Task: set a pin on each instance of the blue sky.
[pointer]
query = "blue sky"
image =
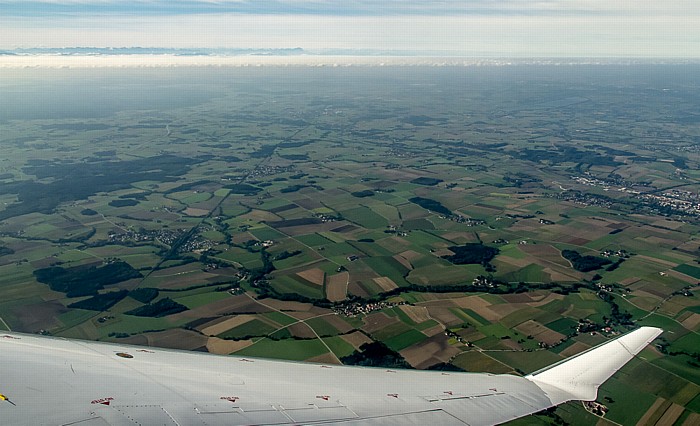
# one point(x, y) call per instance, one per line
point(312, 7)
point(480, 28)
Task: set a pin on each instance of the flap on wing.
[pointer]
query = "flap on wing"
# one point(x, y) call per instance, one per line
point(578, 378)
point(315, 414)
point(422, 418)
point(146, 414)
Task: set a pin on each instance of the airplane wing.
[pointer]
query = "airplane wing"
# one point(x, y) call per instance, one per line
point(55, 381)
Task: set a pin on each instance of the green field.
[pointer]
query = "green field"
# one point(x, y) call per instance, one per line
point(295, 285)
point(405, 339)
point(388, 267)
point(364, 216)
point(250, 328)
point(197, 300)
point(296, 350)
point(692, 271)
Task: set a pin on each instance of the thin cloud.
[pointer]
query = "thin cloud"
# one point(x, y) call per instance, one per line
point(355, 7)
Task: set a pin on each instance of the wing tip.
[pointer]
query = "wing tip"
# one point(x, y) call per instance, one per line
point(578, 377)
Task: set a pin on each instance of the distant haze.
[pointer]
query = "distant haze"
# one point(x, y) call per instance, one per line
point(480, 28)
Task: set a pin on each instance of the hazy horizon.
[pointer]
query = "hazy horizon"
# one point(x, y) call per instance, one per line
point(475, 29)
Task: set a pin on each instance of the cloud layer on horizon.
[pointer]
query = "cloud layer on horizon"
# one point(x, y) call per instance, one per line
point(486, 28)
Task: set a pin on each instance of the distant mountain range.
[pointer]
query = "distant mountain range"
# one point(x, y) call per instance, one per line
point(98, 51)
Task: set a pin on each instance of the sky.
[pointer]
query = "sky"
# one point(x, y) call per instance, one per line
point(470, 28)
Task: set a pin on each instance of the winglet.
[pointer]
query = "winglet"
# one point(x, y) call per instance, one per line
point(578, 378)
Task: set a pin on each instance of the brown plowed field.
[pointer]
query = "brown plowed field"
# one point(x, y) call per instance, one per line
point(376, 321)
point(336, 286)
point(482, 307)
point(230, 305)
point(40, 316)
point(418, 314)
point(225, 347)
point(385, 283)
point(356, 339)
point(227, 324)
point(176, 338)
point(444, 316)
point(301, 330)
point(405, 262)
point(314, 276)
point(326, 358)
point(339, 323)
point(431, 351)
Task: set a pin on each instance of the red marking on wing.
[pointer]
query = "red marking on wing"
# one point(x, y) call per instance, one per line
point(230, 398)
point(103, 401)
point(323, 397)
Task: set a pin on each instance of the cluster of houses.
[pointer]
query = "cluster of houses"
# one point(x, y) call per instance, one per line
point(363, 308)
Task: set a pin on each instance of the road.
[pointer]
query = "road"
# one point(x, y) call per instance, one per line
point(300, 321)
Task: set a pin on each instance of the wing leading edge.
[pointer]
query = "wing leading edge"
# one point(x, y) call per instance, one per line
point(59, 381)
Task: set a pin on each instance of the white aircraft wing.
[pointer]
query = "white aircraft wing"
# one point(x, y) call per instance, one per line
point(55, 381)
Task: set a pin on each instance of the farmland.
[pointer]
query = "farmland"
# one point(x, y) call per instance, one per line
point(310, 215)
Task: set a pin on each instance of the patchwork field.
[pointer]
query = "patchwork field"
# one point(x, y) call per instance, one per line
point(418, 217)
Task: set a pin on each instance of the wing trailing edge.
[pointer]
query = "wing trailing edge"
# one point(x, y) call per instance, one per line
point(578, 378)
